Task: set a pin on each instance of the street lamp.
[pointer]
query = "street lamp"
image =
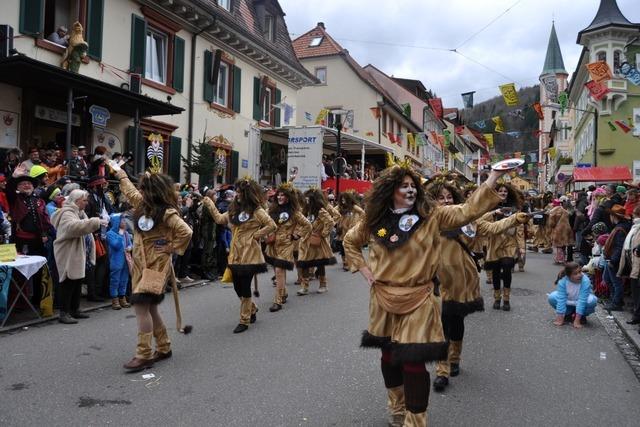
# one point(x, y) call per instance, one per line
point(339, 159)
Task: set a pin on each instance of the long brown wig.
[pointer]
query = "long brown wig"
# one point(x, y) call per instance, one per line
point(515, 198)
point(293, 203)
point(379, 199)
point(346, 202)
point(435, 185)
point(315, 202)
point(248, 199)
point(158, 195)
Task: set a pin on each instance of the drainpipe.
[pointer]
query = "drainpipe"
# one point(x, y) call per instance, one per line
point(595, 137)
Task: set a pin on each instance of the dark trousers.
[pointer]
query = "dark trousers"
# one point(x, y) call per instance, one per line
point(453, 327)
point(502, 272)
point(70, 295)
point(635, 292)
point(182, 264)
point(33, 247)
point(413, 376)
point(222, 257)
point(98, 279)
point(242, 284)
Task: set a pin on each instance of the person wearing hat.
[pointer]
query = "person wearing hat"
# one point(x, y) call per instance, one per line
point(53, 198)
point(11, 160)
point(99, 206)
point(613, 249)
point(41, 179)
point(98, 165)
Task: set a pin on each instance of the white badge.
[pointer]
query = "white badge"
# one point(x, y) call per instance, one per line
point(243, 217)
point(469, 230)
point(311, 218)
point(284, 217)
point(145, 223)
point(407, 222)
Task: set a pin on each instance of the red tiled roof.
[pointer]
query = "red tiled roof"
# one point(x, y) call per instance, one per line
point(328, 46)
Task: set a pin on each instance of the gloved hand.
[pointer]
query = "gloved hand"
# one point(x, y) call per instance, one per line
point(522, 217)
point(114, 165)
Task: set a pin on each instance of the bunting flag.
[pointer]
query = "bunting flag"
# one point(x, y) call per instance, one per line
point(534, 157)
point(308, 116)
point(441, 140)
point(552, 152)
point(623, 125)
point(550, 86)
point(630, 73)
point(406, 110)
point(636, 121)
point(322, 117)
point(459, 130)
point(348, 120)
point(499, 125)
point(467, 99)
point(411, 140)
point(481, 124)
point(538, 109)
point(563, 99)
point(420, 142)
point(436, 106)
point(376, 112)
point(597, 90)
point(600, 71)
point(514, 134)
point(489, 138)
point(612, 126)
point(447, 137)
point(509, 94)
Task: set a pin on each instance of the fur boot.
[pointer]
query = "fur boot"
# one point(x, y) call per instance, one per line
point(143, 358)
point(323, 284)
point(163, 344)
point(395, 406)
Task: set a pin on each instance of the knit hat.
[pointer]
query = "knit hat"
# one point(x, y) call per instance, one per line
point(621, 189)
point(599, 228)
point(51, 193)
point(601, 240)
point(37, 171)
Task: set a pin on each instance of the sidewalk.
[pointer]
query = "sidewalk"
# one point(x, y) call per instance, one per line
point(631, 331)
point(85, 307)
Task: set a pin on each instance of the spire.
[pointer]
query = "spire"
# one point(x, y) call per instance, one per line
point(553, 63)
point(608, 15)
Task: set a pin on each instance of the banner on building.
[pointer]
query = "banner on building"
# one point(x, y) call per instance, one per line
point(597, 90)
point(509, 94)
point(499, 125)
point(630, 72)
point(304, 157)
point(550, 86)
point(322, 117)
point(599, 71)
point(489, 138)
point(436, 106)
point(467, 99)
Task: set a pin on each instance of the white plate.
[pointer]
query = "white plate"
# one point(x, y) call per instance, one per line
point(507, 164)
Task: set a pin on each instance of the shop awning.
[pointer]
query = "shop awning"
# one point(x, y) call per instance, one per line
point(26, 72)
point(602, 174)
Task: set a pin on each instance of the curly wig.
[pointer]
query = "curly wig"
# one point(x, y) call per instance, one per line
point(346, 201)
point(515, 198)
point(293, 199)
point(434, 187)
point(315, 202)
point(158, 195)
point(249, 197)
point(379, 199)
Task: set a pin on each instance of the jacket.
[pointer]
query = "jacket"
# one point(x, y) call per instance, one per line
point(635, 260)
point(69, 248)
point(118, 243)
point(583, 295)
point(615, 242)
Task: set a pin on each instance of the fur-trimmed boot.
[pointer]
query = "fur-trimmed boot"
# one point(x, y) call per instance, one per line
point(143, 358)
point(506, 306)
point(323, 284)
point(395, 406)
point(455, 349)
point(497, 297)
point(277, 301)
point(304, 286)
point(415, 420)
point(163, 344)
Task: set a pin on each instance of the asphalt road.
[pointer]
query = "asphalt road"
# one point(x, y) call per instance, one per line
point(302, 366)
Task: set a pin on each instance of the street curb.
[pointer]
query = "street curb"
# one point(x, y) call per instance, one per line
point(633, 338)
point(56, 315)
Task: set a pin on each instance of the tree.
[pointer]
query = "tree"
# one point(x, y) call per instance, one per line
point(202, 162)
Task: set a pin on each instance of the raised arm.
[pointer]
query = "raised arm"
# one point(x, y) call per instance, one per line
point(268, 225)
point(481, 201)
point(128, 189)
point(72, 227)
point(221, 219)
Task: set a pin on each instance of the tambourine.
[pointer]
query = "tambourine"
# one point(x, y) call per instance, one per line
point(507, 165)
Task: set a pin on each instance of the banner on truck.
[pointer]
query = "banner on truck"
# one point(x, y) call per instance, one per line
point(304, 157)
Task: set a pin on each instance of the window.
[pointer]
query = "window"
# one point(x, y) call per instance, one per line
point(221, 92)
point(321, 74)
point(618, 59)
point(266, 105)
point(601, 56)
point(59, 13)
point(225, 4)
point(384, 122)
point(316, 41)
point(156, 54)
point(269, 27)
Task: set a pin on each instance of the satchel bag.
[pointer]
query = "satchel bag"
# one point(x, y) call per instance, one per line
point(152, 281)
point(315, 239)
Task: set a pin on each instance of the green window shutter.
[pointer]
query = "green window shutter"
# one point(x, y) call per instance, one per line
point(138, 44)
point(277, 110)
point(178, 64)
point(32, 17)
point(237, 77)
point(95, 15)
point(208, 69)
point(257, 108)
point(234, 165)
point(175, 150)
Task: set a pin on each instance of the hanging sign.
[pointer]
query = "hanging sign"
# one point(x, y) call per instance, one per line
point(630, 72)
point(467, 99)
point(99, 116)
point(597, 90)
point(436, 106)
point(509, 94)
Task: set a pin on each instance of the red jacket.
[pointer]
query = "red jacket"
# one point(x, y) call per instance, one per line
point(629, 207)
point(4, 203)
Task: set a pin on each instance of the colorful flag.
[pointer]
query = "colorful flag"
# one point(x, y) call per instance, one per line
point(322, 117)
point(480, 124)
point(406, 110)
point(596, 90)
point(514, 134)
point(600, 71)
point(612, 126)
point(538, 109)
point(499, 125)
point(636, 122)
point(563, 99)
point(467, 99)
point(534, 157)
point(489, 138)
point(376, 112)
point(436, 106)
point(518, 113)
point(348, 120)
point(509, 94)
point(552, 152)
point(441, 140)
point(630, 72)
point(459, 130)
point(623, 125)
point(447, 137)
point(420, 139)
point(308, 116)
point(411, 140)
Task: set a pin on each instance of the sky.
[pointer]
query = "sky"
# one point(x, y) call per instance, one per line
point(513, 47)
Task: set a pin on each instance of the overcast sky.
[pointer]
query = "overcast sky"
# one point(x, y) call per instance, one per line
point(514, 45)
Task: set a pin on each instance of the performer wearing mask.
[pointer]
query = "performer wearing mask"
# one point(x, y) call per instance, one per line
point(249, 224)
point(502, 249)
point(459, 274)
point(402, 228)
point(292, 225)
point(315, 250)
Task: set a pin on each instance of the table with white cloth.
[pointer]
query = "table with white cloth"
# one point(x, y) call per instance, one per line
point(27, 266)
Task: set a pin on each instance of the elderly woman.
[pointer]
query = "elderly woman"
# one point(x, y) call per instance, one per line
point(73, 231)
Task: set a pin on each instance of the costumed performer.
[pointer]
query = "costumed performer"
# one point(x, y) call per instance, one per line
point(350, 213)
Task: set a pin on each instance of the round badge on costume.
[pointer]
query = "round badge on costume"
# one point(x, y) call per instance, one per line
point(469, 230)
point(284, 217)
point(145, 223)
point(407, 222)
point(312, 218)
point(243, 216)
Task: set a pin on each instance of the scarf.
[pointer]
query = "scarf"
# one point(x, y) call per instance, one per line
point(634, 229)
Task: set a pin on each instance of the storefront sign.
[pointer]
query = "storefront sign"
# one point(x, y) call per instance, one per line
point(304, 157)
point(99, 116)
point(9, 124)
point(57, 116)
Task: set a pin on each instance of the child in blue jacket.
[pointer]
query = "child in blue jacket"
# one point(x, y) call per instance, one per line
point(573, 296)
point(119, 241)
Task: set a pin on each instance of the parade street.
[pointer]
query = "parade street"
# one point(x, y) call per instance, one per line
point(302, 366)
